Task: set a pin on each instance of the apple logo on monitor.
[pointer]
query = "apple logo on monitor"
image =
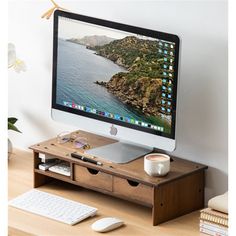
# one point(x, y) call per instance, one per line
point(113, 130)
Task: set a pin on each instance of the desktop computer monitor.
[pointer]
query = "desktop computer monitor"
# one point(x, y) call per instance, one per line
point(115, 79)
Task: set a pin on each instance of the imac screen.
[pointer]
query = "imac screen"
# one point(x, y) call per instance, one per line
point(116, 76)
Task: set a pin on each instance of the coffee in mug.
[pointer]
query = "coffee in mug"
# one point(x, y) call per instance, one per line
point(157, 164)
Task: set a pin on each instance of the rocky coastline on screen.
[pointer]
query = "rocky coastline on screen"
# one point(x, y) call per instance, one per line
point(143, 94)
point(140, 86)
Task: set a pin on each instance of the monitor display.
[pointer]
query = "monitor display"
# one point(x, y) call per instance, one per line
point(116, 73)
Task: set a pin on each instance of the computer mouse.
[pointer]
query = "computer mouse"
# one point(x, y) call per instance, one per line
point(106, 224)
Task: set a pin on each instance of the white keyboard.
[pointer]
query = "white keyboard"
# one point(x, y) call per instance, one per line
point(53, 207)
point(62, 168)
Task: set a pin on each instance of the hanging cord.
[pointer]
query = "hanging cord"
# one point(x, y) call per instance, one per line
point(48, 13)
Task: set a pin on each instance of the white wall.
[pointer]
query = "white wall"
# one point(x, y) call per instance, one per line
point(202, 25)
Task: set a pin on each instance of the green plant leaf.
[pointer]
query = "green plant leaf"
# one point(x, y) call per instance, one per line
point(13, 127)
point(12, 120)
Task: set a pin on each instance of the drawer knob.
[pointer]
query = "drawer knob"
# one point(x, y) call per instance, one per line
point(132, 183)
point(92, 171)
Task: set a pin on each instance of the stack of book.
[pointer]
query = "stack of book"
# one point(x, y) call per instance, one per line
point(213, 222)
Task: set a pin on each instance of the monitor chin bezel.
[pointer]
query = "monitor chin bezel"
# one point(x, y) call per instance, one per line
point(123, 134)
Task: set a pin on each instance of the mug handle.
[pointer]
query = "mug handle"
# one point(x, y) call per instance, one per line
point(160, 168)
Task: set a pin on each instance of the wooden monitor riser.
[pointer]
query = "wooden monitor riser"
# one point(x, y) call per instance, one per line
point(176, 194)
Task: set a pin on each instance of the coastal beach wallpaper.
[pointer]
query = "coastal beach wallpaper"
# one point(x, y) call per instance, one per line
point(115, 72)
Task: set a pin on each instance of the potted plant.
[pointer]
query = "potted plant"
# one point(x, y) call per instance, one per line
point(11, 126)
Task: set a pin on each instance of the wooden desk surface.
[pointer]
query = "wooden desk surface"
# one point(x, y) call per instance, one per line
point(137, 218)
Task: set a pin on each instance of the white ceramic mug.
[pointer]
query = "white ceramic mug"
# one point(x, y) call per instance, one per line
point(157, 164)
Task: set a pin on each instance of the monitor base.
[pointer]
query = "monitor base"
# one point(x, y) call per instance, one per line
point(119, 152)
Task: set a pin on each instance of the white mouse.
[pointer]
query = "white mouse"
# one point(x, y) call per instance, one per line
point(106, 224)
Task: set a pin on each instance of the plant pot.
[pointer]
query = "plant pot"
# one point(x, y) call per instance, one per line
point(10, 147)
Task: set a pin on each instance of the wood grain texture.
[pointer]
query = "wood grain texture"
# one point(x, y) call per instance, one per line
point(178, 198)
point(16, 232)
point(136, 217)
point(141, 192)
point(92, 178)
point(167, 195)
point(133, 170)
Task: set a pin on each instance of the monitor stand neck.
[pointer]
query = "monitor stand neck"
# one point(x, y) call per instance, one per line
point(120, 152)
